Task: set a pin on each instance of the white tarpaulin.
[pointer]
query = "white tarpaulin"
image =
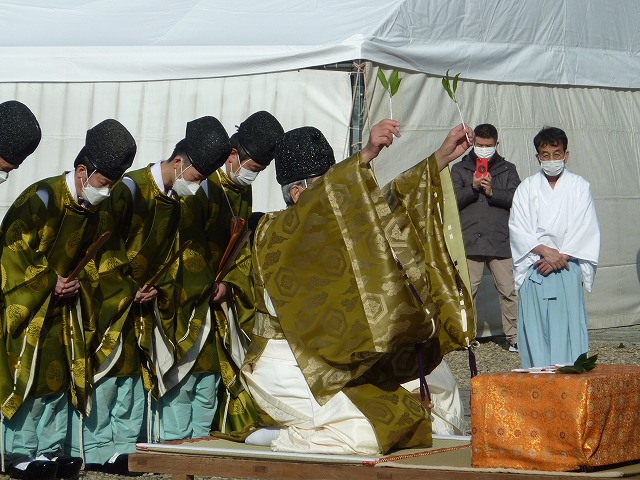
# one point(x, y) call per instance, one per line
point(156, 114)
point(602, 125)
point(558, 42)
point(154, 65)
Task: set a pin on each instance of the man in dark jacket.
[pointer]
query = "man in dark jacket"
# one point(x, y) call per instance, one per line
point(484, 200)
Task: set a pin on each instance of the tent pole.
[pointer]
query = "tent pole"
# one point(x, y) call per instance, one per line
point(358, 112)
point(359, 107)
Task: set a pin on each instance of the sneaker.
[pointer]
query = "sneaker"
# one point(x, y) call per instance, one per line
point(513, 347)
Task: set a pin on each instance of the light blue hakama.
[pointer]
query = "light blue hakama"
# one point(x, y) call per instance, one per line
point(38, 427)
point(552, 318)
point(114, 423)
point(187, 410)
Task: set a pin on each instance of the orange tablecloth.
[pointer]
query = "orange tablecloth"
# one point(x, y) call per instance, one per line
point(555, 421)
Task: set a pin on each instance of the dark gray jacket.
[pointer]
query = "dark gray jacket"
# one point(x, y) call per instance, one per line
point(485, 221)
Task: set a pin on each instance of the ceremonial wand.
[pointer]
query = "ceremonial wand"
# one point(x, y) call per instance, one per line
point(167, 265)
point(93, 249)
point(236, 242)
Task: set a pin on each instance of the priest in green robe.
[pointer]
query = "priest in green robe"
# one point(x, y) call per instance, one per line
point(19, 135)
point(358, 291)
point(147, 209)
point(46, 234)
point(232, 301)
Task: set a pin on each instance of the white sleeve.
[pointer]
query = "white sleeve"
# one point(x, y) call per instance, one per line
point(131, 185)
point(44, 196)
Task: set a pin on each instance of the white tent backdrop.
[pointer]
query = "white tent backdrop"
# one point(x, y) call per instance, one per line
point(156, 114)
point(155, 64)
point(554, 42)
point(602, 125)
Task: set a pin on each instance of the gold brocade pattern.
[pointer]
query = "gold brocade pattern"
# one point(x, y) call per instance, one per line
point(556, 422)
point(352, 317)
point(42, 242)
point(108, 298)
point(149, 225)
point(206, 220)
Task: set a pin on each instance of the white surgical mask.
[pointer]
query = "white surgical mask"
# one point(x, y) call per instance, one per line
point(552, 168)
point(3, 176)
point(484, 152)
point(243, 176)
point(92, 194)
point(182, 187)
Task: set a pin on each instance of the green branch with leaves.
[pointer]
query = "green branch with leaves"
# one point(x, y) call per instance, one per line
point(391, 85)
point(582, 364)
point(451, 91)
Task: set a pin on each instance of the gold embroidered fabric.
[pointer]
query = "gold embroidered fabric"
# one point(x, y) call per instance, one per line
point(555, 421)
point(350, 314)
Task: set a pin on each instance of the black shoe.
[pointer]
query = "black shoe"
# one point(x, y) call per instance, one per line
point(68, 467)
point(120, 466)
point(93, 467)
point(36, 470)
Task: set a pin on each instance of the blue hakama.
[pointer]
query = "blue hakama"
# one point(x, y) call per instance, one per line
point(552, 318)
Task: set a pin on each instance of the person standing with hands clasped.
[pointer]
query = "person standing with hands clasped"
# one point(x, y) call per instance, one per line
point(555, 242)
point(484, 183)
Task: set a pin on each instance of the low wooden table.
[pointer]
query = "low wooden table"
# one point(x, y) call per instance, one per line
point(556, 421)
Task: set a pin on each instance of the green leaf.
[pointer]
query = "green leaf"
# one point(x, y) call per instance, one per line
point(383, 80)
point(580, 359)
point(455, 83)
point(590, 363)
point(571, 369)
point(394, 82)
point(445, 84)
point(582, 364)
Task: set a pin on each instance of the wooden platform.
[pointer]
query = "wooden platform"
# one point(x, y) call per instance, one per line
point(453, 463)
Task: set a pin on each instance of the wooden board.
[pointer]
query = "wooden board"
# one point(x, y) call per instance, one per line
point(185, 467)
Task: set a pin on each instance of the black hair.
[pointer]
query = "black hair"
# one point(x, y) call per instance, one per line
point(550, 136)
point(82, 159)
point(235, 143)
point(180, 149)
point(486, 130)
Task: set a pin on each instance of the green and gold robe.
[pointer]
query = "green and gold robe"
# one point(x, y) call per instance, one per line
point(150, 239)
point(108, 337)
point(38, 244)
point(195, 352)
point(356, 318)
point(228, 200)
point(240, 197)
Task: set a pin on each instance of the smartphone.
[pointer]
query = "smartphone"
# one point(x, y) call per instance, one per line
point(482, 167)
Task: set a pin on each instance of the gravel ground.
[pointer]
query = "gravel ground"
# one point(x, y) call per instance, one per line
point(619, 346)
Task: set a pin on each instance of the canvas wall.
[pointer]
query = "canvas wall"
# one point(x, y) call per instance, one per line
point(156, 114)
point(603, 127)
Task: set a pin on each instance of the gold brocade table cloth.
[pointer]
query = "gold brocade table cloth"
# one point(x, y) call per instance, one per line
point(556, 421)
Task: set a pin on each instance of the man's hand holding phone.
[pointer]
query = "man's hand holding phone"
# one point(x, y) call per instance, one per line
point(482, 167)
point(482, 170)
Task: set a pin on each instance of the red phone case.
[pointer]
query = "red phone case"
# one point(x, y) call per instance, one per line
point(482, 167)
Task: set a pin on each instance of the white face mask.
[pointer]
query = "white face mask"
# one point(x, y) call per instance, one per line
point(244, 177)
point(552, 168)
point(4, 176)
point(92, 194)
point(484, 152)
point(182, 187)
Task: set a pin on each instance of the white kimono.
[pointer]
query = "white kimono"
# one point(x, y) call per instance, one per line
point(278, 387)
point(563, 218)
point(552, 317)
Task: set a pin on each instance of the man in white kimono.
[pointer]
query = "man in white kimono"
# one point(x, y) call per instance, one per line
point(555, 243)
